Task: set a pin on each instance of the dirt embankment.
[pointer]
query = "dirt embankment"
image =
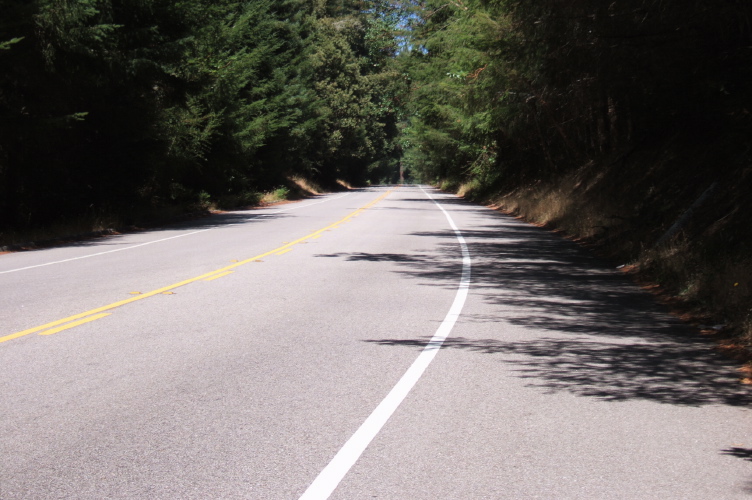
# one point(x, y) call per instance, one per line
point(676, 214)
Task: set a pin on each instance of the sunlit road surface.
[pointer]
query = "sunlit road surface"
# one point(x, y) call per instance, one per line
point(391, 342)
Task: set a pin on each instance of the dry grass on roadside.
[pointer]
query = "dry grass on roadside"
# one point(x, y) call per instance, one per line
point(697, 269)
point(279, 194)
point(345, 184)
point(558, 207)
point(294, 188)
point(306, 185)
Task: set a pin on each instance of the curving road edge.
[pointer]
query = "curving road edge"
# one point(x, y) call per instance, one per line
point(329, 478)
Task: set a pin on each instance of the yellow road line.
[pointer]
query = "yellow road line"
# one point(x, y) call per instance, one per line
point(217, 276)
point(75, 323)
point(284, 251)
point(167, 288)
point(104, 308)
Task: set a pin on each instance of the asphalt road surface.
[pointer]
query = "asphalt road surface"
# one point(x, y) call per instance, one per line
point(391, 343)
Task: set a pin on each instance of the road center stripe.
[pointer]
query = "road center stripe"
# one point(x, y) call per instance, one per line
point(74, 324)
point(329, 478)
point(223, 272)
point(217, 276)
point(253, 216)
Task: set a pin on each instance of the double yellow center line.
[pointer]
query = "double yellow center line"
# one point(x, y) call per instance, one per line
point(100, 312)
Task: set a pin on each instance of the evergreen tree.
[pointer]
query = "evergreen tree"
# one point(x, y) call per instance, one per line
point(127, 105)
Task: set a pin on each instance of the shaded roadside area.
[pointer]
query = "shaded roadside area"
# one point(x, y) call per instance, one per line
point(567, 321)
point(111, 236)
point(680, 373)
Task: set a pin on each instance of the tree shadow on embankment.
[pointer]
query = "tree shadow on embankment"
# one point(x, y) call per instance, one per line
point(579, 325)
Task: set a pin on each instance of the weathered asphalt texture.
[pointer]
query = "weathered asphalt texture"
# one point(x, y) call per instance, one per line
point(560, 379)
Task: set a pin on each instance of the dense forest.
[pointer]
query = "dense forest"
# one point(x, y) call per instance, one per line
point(511, 90)
point(606, 119)
point(108, 104)
point(126, 105)
point(626, 124)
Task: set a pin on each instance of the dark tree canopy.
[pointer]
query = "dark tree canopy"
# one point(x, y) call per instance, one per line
point(508, 91)
point(111, 105)
point(119, 105)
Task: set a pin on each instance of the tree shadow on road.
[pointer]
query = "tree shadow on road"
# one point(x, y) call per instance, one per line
point(539, 280)
point(743, 453)
point(674, 373)
point(585, 327)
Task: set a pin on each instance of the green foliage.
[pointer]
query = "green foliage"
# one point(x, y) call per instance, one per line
point(520, 90)
point(7, 44)
point(281, 193)
point(111, 104)
point(452, 131)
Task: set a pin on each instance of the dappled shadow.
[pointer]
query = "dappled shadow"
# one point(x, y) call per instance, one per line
point(450, 200)
point(399, 208)
point(538, 280)
point(585, 328)
point(548, 283)
point(381, 257)
point(669, 372)
point(743, 453)
point(441, 268)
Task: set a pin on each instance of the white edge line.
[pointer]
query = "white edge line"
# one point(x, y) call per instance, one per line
point(164, 239)
point(329, 478)
point(102, 253)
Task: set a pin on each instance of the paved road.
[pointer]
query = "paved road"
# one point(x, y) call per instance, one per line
point(237, 356)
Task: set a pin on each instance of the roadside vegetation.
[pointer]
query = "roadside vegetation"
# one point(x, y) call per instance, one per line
point(126, 111)
point(610, 121)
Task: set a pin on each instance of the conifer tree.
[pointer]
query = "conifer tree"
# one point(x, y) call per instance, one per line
point(128, 105)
